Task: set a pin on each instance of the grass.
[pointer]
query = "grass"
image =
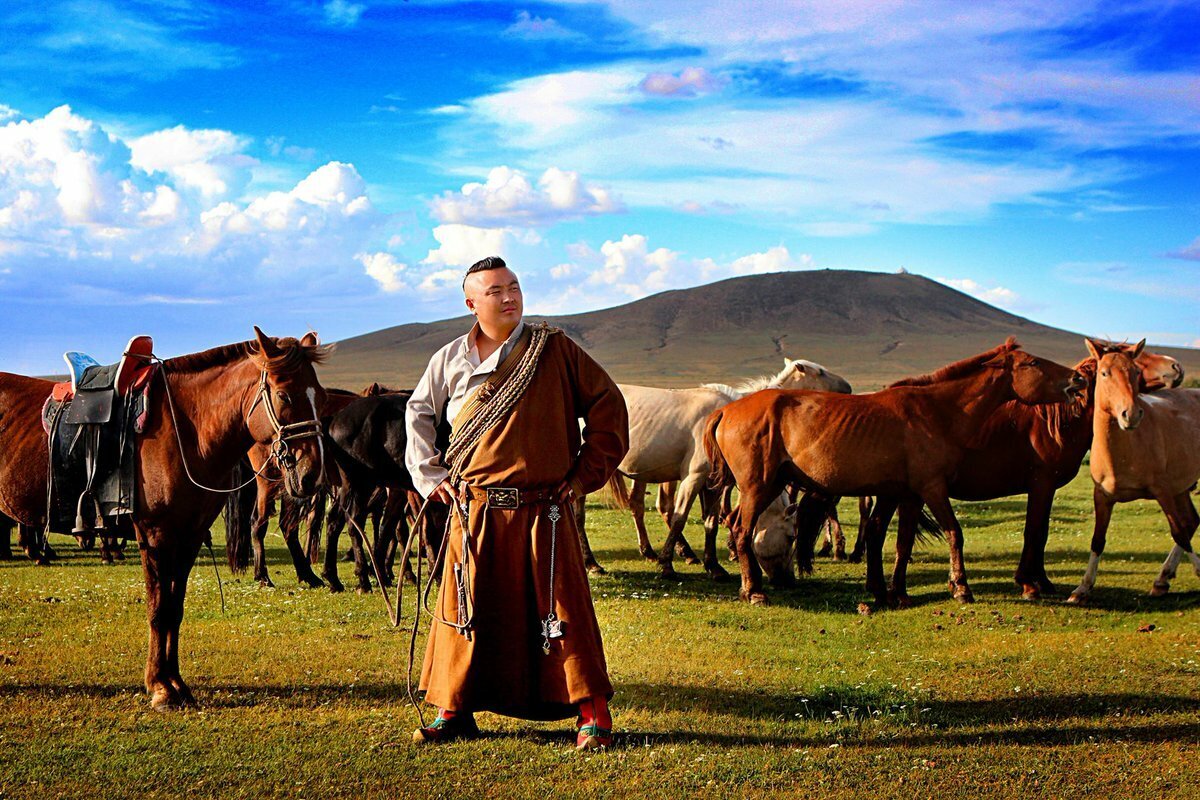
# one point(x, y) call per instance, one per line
point(302, 692)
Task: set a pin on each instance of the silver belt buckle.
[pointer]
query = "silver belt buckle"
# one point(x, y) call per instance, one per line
point(503, 498)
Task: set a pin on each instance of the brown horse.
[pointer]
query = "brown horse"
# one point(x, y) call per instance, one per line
point(1143, 447)
point(206, 410)
point(899, 443)
point(1031, 450)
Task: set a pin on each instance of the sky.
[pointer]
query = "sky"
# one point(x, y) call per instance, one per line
point(188, 169)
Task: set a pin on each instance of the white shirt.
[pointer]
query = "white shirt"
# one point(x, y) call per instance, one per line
point(453, 373)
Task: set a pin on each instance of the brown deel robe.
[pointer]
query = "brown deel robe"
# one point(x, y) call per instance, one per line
point(502, 668)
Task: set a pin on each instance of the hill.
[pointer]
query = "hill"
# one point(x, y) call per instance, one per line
point(868, 327)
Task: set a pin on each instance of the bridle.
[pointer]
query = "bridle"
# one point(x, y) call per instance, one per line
point(281, 444)
point(281, 449)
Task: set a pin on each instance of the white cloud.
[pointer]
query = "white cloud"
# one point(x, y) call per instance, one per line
point(533, 27)
point(212, 162)
point(508, 198)
point(777, 259)
point(343, 14)
point(1190, 252)
point(385, 270)
point(8, 112)
point(688, 82)
point(993, 295)
point(462, 245)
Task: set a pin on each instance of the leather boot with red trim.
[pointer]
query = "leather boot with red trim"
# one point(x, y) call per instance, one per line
point(448, 727)
point(594, 726)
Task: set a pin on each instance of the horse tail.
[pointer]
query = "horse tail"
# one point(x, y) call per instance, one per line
point(718, 475)
point(619, 491)
point(928, 528)
point(237, 523)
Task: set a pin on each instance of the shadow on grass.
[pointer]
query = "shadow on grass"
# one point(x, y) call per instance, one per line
point(1044, 719)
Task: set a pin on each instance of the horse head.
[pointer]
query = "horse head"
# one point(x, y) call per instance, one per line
point(801, 374)
point(286, 410)
point(1035, 380)
point(1118, 383)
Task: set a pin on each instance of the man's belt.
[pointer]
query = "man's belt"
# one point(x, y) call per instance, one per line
point(508, 498)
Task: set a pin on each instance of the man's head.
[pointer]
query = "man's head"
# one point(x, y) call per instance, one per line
point(493, 294)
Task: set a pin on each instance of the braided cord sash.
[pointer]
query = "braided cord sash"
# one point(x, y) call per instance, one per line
point(492, 401)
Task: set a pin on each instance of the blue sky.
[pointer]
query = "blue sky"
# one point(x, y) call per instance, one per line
point(188, 169)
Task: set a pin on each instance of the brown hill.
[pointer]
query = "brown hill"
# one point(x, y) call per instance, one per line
point(869, 327)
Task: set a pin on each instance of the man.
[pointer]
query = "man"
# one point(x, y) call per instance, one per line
point(514, 629)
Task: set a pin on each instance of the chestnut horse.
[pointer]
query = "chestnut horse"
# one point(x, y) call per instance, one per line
point(898, 443)
point(1032, 450)
point(1143, 447)
point(205, 411)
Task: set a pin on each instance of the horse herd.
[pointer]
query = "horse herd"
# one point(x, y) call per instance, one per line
point(792, 444)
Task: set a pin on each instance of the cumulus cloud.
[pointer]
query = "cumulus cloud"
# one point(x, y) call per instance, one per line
point(993, 295)
point(689, 82)
point(776, 259)
point(509, 198)
point(385, 270)
point(212, 162)
point(462, 245)
point(74, 196)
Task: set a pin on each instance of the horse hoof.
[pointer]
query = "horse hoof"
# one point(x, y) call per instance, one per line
point(965, 597)
point(854, 558)
point(759, 599)
point(717, 573)
point(824, 551)
point(839, 556)
point(363, 590)
point(165, 699)
point(649, 555)
point(899, 600)
point(596, 569)
point(313, 582)
point(691, 560)
point(1031, 592)
point(1078, 598)
point(668, 574)
point(336, 587)
point(1159, 590)
point(265, 583)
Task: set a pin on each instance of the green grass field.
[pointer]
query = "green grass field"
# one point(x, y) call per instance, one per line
point(302, 692)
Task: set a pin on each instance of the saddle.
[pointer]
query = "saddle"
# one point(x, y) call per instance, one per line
point(91, 421)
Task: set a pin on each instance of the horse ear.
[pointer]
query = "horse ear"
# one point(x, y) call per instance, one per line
point(1093, 348)
point(266, 345)
point(310, 339)
point(1137, 351)
point(796, 365)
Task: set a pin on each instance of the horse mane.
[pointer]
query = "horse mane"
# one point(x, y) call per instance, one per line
point(292, 355)
point(959, 368)
point(749, 386)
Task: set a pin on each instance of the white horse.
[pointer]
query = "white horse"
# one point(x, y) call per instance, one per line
point(665, 446)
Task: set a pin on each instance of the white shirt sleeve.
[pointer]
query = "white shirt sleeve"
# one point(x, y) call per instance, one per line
point(425, 407)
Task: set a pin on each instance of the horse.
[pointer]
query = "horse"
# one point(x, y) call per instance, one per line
point(1031, 450)
point(268, 490)
point(205, 411)
point(665, 430)
point(898, 443)
point(1144, 446)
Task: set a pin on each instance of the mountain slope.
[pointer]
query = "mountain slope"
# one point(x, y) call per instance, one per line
point(869, 327)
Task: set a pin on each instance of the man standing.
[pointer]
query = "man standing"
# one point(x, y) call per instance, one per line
point(514, 629)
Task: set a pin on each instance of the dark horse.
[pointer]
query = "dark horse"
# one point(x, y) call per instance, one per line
point(899, 444)
point(206, 410)
point(1032, 450)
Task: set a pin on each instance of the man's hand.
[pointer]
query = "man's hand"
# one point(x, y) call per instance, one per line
point(445, 494)
point(565, 494)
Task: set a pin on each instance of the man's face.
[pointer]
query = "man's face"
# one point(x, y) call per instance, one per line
point(495, 297)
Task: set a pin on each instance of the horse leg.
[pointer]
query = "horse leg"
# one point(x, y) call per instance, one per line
point(939, 505)
point(664, 501)
point(753, 503)
point(1181, 515)
point(637, 507)
point(335, 520)
point(1102, 505)
point(710, 511)
point(6, 529)
point(185, 558)
point(259, 523)
point(835, 529)
point(1189, 511)
point(589, 558)
point(865, 506)
point(877, 525)
point(289, 526)
point(156, 568)
point(906, 535)
point(357, 514)
point(689, 487)
point(1031, 570)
